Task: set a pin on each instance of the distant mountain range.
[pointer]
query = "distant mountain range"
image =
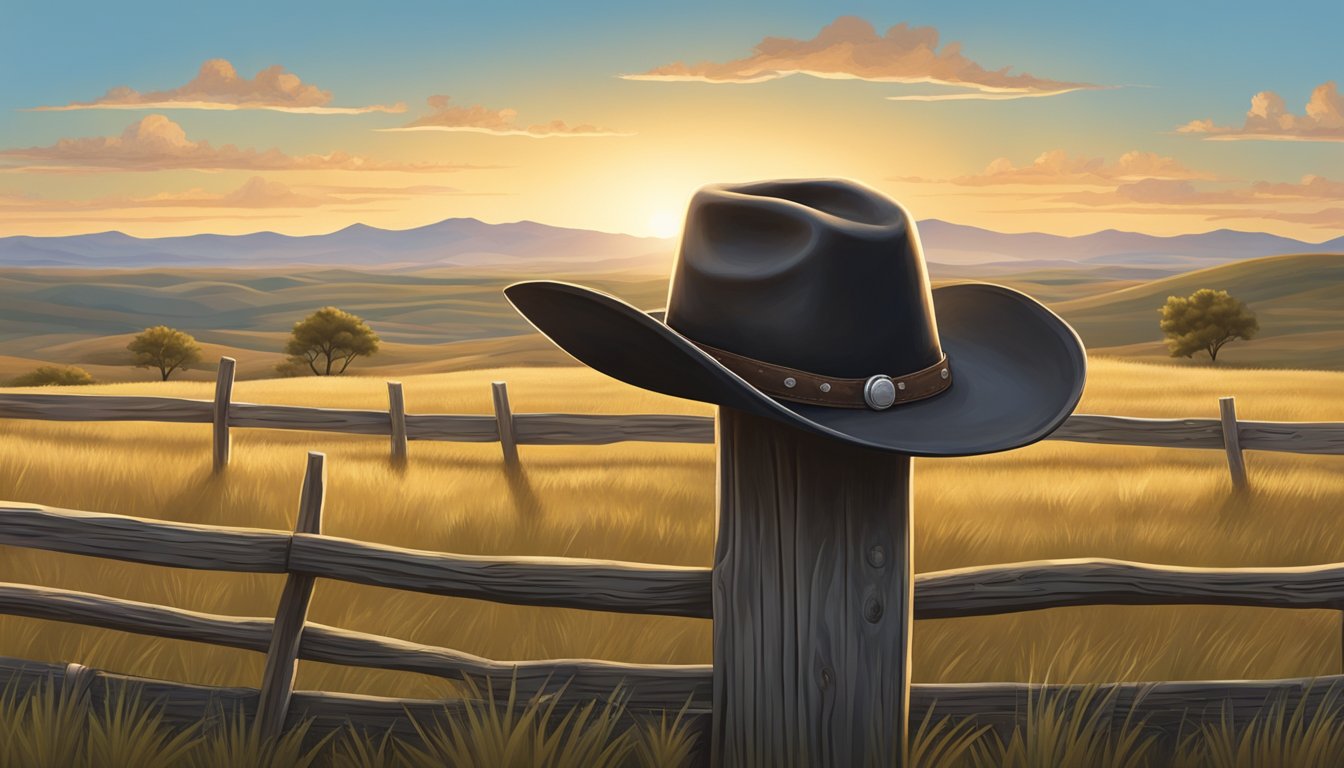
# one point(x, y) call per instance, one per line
point(450, 243)
point(527, 246)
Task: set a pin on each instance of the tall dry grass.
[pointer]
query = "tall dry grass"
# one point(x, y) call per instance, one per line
point(655, 503)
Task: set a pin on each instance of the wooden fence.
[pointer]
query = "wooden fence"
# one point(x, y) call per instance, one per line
point(1225, 433)
point(306, 554)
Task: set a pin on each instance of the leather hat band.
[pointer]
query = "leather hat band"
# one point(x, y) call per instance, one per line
point(878, 392)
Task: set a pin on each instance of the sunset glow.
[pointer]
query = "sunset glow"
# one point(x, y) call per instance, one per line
point(537, 117)
point(664, 224)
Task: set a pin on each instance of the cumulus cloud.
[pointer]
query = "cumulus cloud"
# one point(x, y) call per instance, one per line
point(849, 48)
point(157, 143)
point(1270, 119)
point(218, 86)
point(1058, 167)
point(446, 116)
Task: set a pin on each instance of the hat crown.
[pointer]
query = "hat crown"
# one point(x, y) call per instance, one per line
point(826, 276)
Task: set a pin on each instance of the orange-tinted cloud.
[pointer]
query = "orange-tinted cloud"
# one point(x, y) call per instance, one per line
point(1178, 192)
point(1311, 186)
point(255, 193)
point(218, 86)
point(1269, 119)
point(1325, 218)
point(1058, 167)
point(849, 48)
point(1166, 192)
point(446, 116)
point(157, 143)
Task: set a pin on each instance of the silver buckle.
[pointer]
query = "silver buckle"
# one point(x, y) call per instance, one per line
point(879, 392)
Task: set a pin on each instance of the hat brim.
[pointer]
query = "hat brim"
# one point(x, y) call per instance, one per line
point(1018, 369)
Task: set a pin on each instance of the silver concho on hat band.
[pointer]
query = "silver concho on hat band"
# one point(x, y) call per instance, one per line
point(879, 392)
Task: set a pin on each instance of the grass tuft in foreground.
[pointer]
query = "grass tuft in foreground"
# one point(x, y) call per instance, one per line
point(46, 728)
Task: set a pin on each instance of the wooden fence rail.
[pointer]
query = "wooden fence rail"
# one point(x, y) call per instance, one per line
point(511, 429)
point(306, 554)
point(639, 588)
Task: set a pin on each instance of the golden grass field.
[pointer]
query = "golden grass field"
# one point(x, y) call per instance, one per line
point(655, 503)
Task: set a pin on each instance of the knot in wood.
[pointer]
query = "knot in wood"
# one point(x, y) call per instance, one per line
point(872, 610)
point(826, 676)
point(877, 556)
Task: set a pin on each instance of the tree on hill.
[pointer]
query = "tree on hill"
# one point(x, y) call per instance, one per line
point(53, 376)
point(164, 348)
point(329, 339)
point(1204, 322)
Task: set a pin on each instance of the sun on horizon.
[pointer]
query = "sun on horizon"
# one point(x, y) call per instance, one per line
point(664, 224)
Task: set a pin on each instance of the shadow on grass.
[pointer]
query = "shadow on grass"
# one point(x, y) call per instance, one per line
point(521, 493)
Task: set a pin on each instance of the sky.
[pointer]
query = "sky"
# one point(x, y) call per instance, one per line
point(1063, 117)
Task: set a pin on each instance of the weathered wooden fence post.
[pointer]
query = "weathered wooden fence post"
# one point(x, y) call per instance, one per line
point(396, 411)
point(277, 681)
point(813, 596)
point(504, 419)
point(1236, 463)
point(223, 394)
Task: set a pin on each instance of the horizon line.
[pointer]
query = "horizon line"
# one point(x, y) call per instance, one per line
point(645, 237)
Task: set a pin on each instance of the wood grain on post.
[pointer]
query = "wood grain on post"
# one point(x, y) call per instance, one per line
point(1236, 463)
point(508, 441)
point(220, 414)
point(396, 411)
point(277, 681)
point(812, 599)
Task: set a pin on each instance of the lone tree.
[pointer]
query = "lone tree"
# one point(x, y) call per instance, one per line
point(166, 349)
point(1204, 322)
point(330, 338)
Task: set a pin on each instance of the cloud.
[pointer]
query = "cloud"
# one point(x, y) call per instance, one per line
point(156, 143)
point(256, 192)
point(500, 122)
point(1178, 192)
point(1156, 192)
point(849, 48)
point(1287, 202)
point(1311, 186)
point(1325, 218)
point(218, 86)
point(411, 191)
point(1058, 167)
point(1269, 119)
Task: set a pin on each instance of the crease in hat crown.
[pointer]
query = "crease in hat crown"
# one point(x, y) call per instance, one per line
point(825, 276)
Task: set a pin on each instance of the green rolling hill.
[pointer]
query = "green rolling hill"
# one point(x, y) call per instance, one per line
point(1299, 300)
point(450, 321)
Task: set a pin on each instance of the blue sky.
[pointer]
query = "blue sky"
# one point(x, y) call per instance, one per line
point(1159, 66)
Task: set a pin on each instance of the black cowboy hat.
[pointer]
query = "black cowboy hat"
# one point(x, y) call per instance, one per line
point(808, 302)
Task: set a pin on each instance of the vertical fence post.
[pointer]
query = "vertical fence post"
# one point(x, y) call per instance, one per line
point(813, 600)
point(277, 681)
point(504, 420)
point(76, 685)
point(1236, 463)
point(396, 411)
point(223, 394)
